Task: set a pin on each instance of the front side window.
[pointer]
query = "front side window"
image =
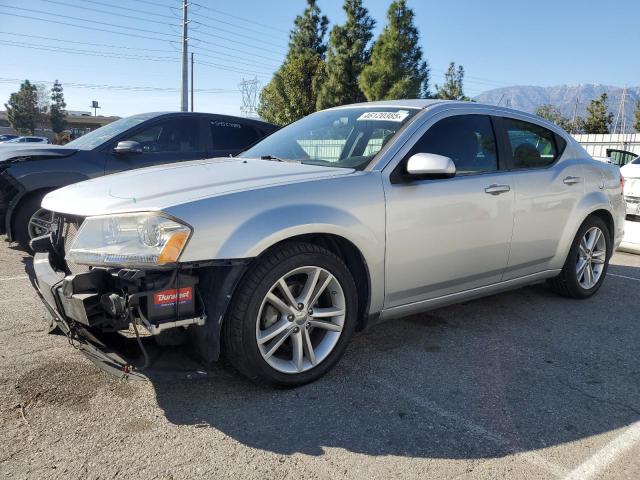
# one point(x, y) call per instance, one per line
point(468, 140)
point(532, 146)
point(179, 135)
point(104, 134)
point(345, 137)
point(229, 135)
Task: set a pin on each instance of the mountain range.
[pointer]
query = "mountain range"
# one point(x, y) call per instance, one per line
point(528, 98)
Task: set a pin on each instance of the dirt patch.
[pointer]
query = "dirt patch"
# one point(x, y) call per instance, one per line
point(137, 425)
point(63, 383)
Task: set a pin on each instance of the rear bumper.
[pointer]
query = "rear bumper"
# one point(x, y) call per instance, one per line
point(631, 241)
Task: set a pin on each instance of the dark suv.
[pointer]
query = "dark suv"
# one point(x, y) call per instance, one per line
point(28, 173)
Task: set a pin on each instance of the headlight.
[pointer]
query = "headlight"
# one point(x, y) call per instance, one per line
point(129, 240)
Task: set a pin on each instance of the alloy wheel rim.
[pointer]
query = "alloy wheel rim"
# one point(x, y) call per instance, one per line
point(592, 255)
point(300, 320)
point(40, 223)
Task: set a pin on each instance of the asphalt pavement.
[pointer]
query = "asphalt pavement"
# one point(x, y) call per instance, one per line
point(523, 384)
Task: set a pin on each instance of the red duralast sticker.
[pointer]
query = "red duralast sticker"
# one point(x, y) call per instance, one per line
point(166, 297)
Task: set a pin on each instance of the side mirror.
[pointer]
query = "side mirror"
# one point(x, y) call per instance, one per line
point(128, 146)
point(430, 165)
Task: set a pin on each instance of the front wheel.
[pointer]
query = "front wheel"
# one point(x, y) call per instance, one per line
point(587, 262)
point(292, 316)
point(31, 221)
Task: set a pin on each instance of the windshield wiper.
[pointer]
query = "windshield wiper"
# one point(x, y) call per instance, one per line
point(277, 159)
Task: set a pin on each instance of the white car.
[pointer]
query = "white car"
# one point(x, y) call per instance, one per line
point(631, 174)
point(28, 140)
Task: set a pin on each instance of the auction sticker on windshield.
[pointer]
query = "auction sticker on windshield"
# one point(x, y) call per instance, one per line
point(398, 116)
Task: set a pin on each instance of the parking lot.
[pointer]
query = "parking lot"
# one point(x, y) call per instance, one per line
point(519, 385)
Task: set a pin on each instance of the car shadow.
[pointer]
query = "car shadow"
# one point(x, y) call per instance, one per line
point(518, 371)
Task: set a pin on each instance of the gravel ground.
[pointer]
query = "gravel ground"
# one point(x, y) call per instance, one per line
point(518, 385)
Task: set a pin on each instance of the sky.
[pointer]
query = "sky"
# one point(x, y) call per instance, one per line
point(126, 55)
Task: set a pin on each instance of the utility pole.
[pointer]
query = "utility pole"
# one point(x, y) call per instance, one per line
point(192, 81)
point(574, 117)
point(621, 115)
point(184, 103)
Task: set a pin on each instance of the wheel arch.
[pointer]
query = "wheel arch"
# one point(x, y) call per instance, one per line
point(17, 203)
point(353, 258)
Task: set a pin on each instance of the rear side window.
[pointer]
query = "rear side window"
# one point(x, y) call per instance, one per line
point(467, 139)
point(532, 146)
point(230, 135)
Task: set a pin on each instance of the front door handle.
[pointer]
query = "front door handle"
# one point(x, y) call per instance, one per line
point(497, 189)
point(571, 180)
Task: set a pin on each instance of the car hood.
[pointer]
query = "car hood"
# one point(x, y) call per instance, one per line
point(11, 152)
point(158, 188)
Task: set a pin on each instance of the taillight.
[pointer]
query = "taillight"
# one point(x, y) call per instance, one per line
point(621, 181)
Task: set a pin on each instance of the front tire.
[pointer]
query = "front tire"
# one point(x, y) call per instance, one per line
point(586, 266)
point(292, 316)
point(31, 221)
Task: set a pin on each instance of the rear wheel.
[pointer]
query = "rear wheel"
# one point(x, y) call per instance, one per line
point(587, 262)
point(292, 317)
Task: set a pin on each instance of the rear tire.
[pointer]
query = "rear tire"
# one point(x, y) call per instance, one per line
point(586, 266)
point(314, 322)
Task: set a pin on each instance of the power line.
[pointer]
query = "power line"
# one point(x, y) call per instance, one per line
point(218, 56)
point(131, 9)
point(237, 17)
point(116, 14)
point(85, 43)
point(261, 41)
point(90, 21)
point(140, 88)
point(93, 29)
point(91, 53)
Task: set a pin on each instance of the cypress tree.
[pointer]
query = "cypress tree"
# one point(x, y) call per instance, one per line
point(397, 69)
point(57, 113)
point(292, 92)
point(346, 57)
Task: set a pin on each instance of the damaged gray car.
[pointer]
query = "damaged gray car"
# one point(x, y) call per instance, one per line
point(347, 217)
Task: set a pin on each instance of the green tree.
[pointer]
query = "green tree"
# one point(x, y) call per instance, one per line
point(292, 92)
point(598, 120)
point(397, 69)
point(453, 88)
point(22, 108)
point(58, 114)
point(636, 123)
point(347, 55)
point(553, 114)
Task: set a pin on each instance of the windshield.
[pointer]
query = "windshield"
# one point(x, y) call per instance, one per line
point(347, 137)
point(103, 134)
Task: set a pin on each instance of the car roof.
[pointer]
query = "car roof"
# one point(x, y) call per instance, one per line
point(255, 121)
point(406, 103)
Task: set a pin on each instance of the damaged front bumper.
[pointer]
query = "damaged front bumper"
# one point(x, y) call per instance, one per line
point(99, 308)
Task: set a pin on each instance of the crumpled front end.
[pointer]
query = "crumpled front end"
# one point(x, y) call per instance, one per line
point(123, 317)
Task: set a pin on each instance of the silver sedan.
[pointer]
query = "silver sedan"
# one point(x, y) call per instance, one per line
point(347, 217)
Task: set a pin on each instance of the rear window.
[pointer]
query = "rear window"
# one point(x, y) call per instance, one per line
point(230, 135)
point(532, 146)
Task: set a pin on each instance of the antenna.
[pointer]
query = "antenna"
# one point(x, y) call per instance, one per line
point(249, 92)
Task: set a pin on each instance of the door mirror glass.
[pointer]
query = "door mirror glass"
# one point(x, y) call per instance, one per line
point(128, 146)
point(431, 165)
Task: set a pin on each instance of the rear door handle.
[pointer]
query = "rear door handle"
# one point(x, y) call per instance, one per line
point(571, 180)
point(497, 189)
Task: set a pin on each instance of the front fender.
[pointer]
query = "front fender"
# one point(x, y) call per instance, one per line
point(266, 229)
